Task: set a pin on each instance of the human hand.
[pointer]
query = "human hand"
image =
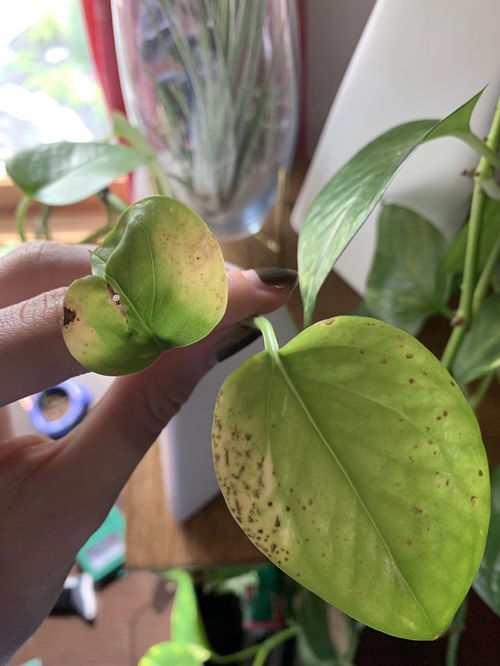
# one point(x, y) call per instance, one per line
point(54, 494)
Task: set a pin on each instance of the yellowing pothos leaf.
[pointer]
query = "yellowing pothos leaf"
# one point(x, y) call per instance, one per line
point(159, 282)
point(345, 202)
point(352, 460)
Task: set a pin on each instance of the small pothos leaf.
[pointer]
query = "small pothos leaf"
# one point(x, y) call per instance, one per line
point(58, 174)
point(351, 458)
point(344, 203)
point(479, 352)
point(490, 231)
point(186, 625)
point(405, 284)
point(171, 653)
point(159, 282)
point(487, 582)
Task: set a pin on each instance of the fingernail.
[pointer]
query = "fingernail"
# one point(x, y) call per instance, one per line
point(279, 278)
point(241, 336)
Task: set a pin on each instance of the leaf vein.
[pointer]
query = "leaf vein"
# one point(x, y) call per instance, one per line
point(358, 497)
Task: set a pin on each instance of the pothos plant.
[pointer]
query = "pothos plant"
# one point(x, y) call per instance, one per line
point(351, 456)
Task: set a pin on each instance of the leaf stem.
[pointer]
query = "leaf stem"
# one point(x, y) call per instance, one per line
point(481, 147)
point(259, 651)
point(464, 312)
point(267, 330)
point(247, 653)
point(21, 212)
point(95, 235)
point(112, 201)
point(270, 643)
point(42, 230)
point(485, 277)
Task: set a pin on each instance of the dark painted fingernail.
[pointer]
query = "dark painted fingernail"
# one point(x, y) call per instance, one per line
point(241, 336)
point(280, 278)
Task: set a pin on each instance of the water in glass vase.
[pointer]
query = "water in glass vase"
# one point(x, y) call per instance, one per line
point(213, 86)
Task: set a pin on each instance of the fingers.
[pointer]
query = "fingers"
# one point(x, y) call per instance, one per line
point(40, 266)
point(33, 355)
point(257, 291)
point(119, 430)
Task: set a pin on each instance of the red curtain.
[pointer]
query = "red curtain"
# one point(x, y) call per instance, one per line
point(97, 15)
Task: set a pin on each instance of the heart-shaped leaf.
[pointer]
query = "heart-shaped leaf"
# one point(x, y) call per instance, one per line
point(479, 352)
point(487, 583)
point(159, 282)
point(405, 285)
point(58, 174)
point(344, 203)
point(352, 460)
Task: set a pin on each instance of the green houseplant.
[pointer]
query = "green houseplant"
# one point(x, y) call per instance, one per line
point(351, 457)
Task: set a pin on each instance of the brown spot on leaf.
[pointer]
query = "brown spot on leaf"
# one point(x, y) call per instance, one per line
point(416, 510)
point(409, 355)
point(69, 316)
point(411, 380)
point(473, 500)
point(480, 472)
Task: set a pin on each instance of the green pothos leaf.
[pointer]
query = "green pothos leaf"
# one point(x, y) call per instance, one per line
point(490, 231)
point(186, 624)
point(314, 644)
point(58, 174)
point(351, 458)
point(479, 353)
point(171, 653)
point(405, 284)
point(159, 282)
point(487, 583)
point(344, 203)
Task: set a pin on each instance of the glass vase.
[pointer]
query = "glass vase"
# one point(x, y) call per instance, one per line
point(213, 85)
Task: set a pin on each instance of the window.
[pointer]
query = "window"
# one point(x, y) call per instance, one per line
point(48, 91)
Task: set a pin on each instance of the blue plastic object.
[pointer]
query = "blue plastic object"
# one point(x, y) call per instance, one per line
point(79, 398)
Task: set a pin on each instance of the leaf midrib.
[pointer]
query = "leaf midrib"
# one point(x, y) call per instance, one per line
point(279, 363)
